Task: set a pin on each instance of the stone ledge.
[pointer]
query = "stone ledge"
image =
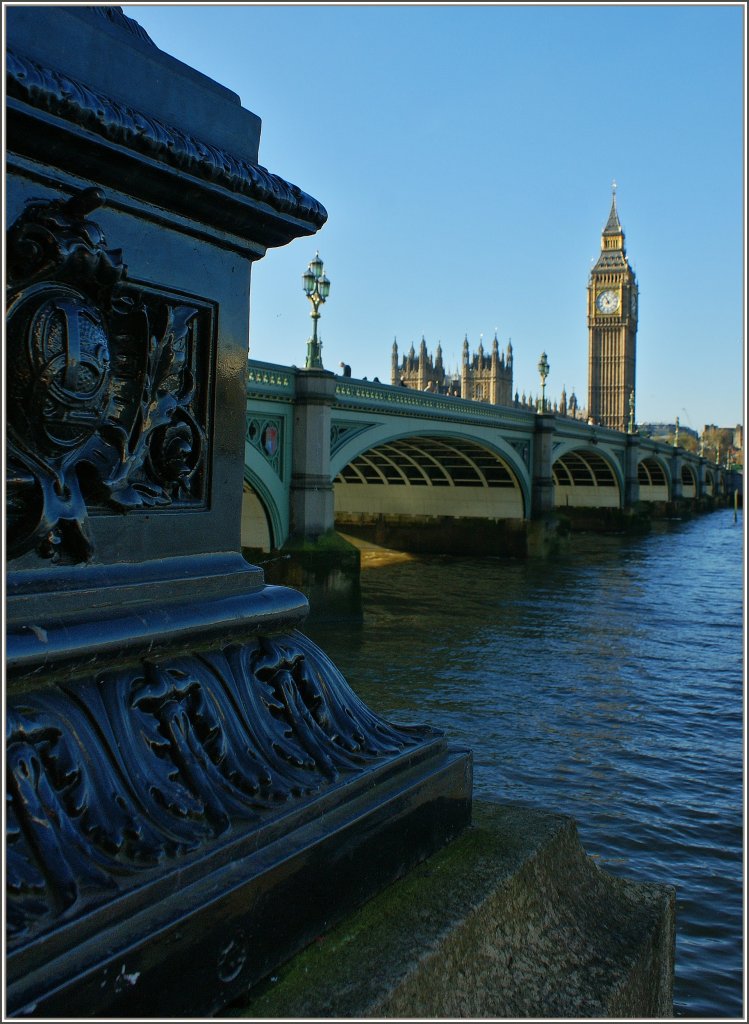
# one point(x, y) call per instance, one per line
point(512, 919)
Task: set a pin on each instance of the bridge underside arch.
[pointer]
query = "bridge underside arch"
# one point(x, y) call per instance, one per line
point(653, 480)
point(688, 482)
point(256, 526)
point(584, 479)
point(428, 476)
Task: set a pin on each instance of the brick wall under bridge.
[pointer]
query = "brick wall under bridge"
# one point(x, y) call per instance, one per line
point(323, 450)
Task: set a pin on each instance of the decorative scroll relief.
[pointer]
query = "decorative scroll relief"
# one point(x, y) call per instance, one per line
point(105, 393)
point(116, 17)
point(112, 776)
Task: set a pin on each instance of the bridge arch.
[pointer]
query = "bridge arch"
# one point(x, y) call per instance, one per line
point(688, 481)
point(654, 478)
point(586, 477)
point(434, 473)
point(265, 523)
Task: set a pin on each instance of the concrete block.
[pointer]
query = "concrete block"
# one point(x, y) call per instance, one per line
point(513, 919)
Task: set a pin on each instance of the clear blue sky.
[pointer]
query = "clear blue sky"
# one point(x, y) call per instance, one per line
point(465, 155)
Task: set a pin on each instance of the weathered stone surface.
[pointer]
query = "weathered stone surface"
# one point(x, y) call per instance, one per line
point(513, 919)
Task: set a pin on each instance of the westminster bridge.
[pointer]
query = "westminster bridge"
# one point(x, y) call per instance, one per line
point(325, 451)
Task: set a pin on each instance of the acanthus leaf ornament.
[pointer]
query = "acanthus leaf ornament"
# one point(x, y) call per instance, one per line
point(154, 764)
point(101, 398)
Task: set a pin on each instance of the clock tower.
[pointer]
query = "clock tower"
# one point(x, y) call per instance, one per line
point(612, 330)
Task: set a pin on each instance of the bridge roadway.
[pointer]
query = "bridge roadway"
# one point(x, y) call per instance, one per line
point(322, 450)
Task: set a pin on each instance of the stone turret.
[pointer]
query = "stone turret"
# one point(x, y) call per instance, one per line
point(483, 377)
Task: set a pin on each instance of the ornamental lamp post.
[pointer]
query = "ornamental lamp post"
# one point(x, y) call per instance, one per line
point(316, 288)
point(543, 370)
point(676, 433)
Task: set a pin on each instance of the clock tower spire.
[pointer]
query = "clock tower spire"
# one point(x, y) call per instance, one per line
point(612, 328)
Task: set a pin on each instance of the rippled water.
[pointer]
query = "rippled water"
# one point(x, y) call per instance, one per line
point(606, 685)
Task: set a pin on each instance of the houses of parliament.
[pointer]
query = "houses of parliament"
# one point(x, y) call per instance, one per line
point(612, 333)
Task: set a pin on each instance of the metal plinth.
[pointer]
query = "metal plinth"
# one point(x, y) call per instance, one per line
point(203, 815)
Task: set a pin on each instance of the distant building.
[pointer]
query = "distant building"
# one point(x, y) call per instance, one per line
point(482, 377)
point(569, 406)
point(665, 431)
point(724, 444)
point(732, 436)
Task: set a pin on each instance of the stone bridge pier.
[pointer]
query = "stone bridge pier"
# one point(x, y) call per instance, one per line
point(311, 509)
point(543, 480)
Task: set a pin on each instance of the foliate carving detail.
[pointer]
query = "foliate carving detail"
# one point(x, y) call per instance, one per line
point(116, 17)
point(101, 384)
point(112, 776)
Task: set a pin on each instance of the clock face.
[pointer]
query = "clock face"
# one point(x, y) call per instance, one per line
point(633, 303)
point(608, 301)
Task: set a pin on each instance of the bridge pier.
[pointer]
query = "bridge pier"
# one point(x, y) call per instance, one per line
point(702, 479)
point(631, 478)
point(676, 488)
point(542, 497)
point(311, 490)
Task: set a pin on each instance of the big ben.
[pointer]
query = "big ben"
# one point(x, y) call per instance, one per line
point(612, 330)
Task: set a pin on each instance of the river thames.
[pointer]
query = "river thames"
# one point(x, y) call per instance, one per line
point(605, 684)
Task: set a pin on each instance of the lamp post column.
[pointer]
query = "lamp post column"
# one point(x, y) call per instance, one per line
point(631, 479)
point(316, 288)
point(543, 370)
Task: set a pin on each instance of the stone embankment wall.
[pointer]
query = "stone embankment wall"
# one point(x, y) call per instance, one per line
point(513, 919)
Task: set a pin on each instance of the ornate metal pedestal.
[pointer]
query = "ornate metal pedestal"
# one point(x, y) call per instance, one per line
point(194, 790)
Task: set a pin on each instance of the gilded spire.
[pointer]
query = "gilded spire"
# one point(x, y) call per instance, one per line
point(613, 227)
point(613, 254)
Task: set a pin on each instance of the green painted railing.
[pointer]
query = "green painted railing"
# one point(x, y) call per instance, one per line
point(277, 383)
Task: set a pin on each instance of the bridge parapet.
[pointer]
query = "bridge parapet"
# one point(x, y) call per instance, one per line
point(394, 399)
point(270, 380)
